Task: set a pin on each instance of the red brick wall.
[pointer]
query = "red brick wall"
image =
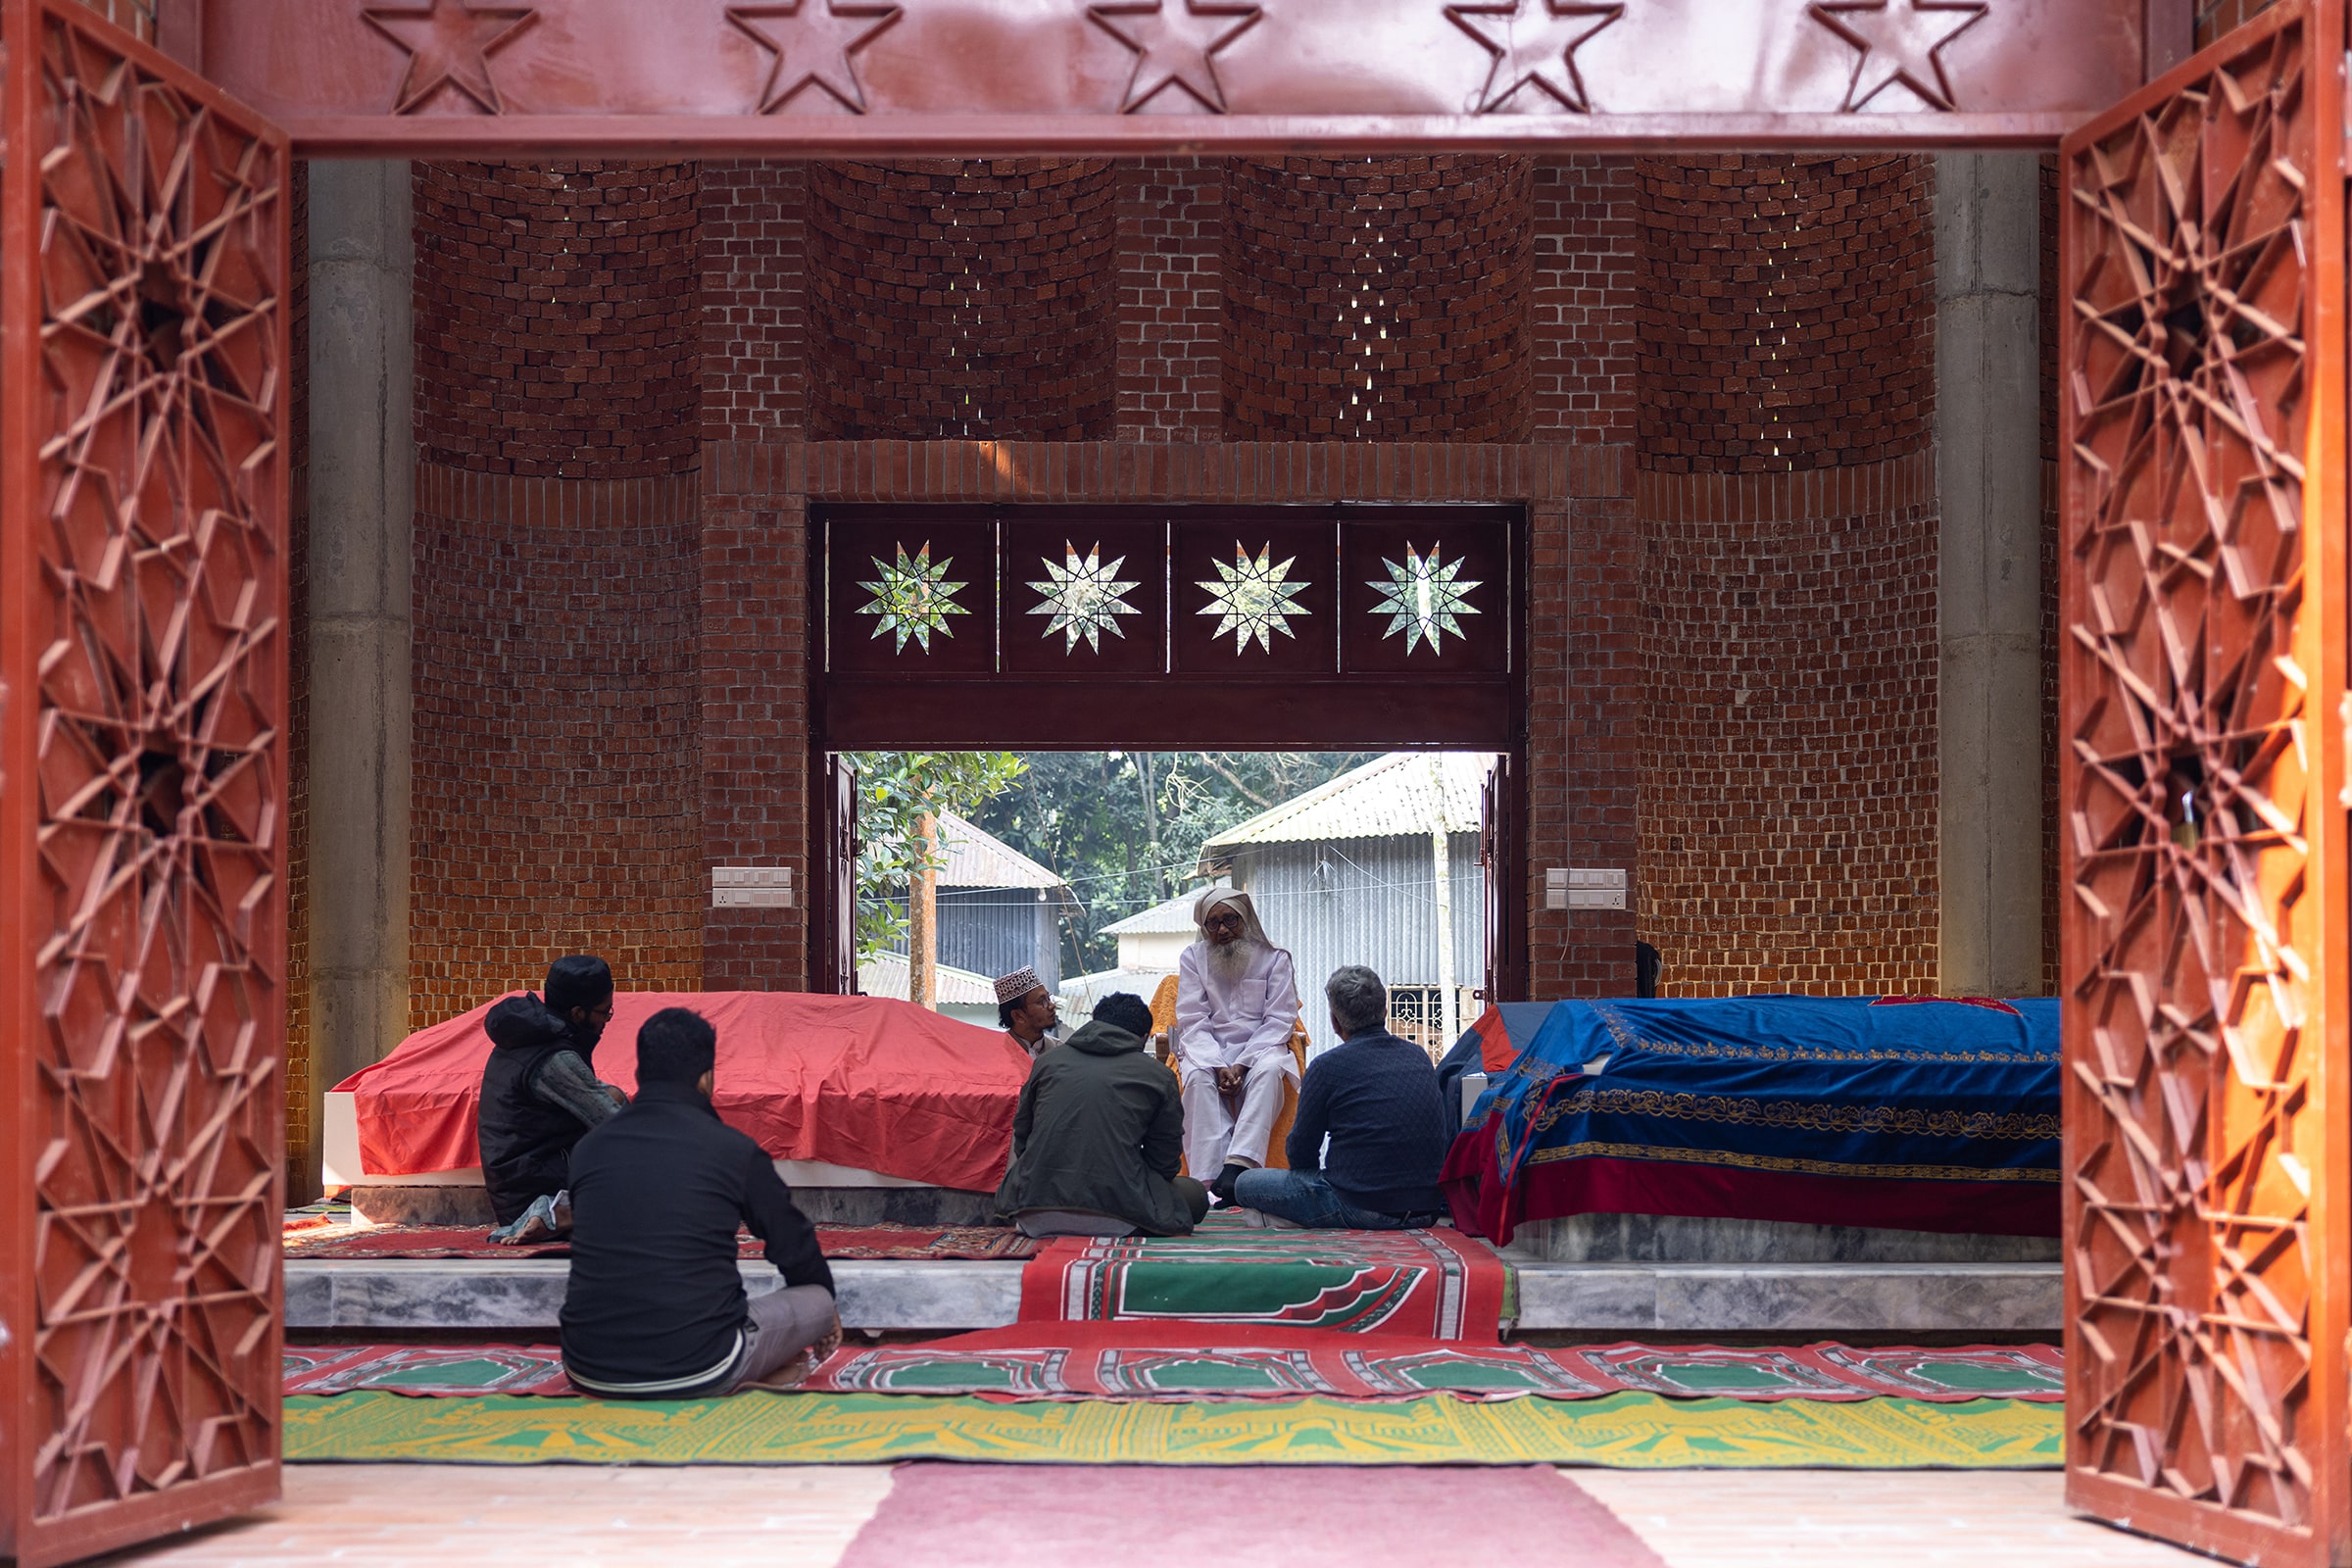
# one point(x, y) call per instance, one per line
point(1171, 299)
point(953, 298)
point(755, 723)
point(557, 795)
point(555, 319)
point(1584, 300)
point(1787, 311)
point(1377, 299)
point(1788, 647)
point(752, 221)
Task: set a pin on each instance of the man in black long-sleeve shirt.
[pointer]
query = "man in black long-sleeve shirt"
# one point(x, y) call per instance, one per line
point(1376, 1097)
point(656, 1307)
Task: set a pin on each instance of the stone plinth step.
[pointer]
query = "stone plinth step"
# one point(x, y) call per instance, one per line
point(951, 1296)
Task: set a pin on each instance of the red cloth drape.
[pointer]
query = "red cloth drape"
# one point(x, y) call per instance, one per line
point(862, 1081)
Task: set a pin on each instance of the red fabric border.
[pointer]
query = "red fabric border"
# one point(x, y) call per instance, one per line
point(1603, 1185)
point(1484, 1279)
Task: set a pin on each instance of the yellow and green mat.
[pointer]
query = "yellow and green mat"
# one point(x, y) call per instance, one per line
point(1624, 1430)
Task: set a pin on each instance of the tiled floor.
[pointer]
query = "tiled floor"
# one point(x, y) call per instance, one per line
point(455, 1516)
point(1867, 1519)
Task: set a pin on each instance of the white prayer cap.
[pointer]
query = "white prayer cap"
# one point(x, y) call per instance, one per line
point(1016, 985)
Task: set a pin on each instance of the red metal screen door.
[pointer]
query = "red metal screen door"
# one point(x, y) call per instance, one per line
point(2201, 387)
point(142, 786)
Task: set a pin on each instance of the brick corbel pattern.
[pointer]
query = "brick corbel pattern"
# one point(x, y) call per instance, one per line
point(1408, 273)
point(953, 298)
point(1583, 769)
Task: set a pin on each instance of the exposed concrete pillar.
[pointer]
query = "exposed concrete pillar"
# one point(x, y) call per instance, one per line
point(1989, 578)
point(362, 465)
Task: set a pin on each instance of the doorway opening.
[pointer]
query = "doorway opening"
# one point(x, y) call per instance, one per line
point(1083, 865)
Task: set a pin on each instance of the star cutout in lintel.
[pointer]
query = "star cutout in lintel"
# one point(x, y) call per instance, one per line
point(449, 45)
point(814, 46)
point(1174, 41)
point(1538, 51)
point(1901, 40)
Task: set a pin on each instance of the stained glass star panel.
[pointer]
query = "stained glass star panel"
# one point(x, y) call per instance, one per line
point(1429, 594)
point(1038, 641)
point(1256, 599)
point(912, 595)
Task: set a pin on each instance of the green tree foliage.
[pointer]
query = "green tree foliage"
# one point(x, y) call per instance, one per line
point(894, 790)
point(1125, 828)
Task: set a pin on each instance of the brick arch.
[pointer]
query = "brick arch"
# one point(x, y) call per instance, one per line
point(1787, 318)
point(557, 784)
point(555, 331)
point(1786, 498)
point(953, 298)
point(1420, 335)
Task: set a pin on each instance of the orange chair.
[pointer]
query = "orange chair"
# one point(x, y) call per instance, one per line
point(1164, 1024)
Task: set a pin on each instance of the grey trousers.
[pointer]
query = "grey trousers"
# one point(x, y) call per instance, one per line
point(783, 1324)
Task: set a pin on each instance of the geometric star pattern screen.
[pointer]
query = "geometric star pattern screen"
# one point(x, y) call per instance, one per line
point(964, 597)
point(2204, 871)
point(144, 796)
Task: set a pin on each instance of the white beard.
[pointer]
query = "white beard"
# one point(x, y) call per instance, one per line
point(1227, 966)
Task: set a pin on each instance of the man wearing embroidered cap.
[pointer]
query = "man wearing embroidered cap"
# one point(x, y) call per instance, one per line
point(1237, 1001)
point(1025, 1007)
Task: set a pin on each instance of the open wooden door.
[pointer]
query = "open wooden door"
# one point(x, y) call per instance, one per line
point(142, 790)
point(833, 922)
point(2202, 676)
point(1504, 880)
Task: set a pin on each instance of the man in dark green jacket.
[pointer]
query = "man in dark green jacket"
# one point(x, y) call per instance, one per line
point(1098, 1137)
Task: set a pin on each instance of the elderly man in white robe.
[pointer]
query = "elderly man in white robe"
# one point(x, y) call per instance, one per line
point(1236, 1002)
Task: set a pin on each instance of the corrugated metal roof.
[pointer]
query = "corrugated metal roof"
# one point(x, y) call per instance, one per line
point(885, 975)
point(978, 859)
point(1396, 795)
point(1162, 919)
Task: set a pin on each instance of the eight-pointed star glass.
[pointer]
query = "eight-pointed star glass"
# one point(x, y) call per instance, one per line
point(1253, 598)
point(1084, 597)
point(912, 598)
point(1422, 598)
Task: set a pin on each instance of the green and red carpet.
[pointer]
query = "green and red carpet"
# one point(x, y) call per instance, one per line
point(1142, 1363)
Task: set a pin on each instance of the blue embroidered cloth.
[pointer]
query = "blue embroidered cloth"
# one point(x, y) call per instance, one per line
point(1896, 1089)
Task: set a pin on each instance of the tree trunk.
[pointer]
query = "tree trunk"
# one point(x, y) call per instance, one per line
point(922, 917)
point(1449, 1007)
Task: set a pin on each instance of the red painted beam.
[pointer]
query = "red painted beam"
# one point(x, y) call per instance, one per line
point(968, 76)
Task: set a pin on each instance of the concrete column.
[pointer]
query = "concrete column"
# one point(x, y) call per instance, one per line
point(363, 463)
point(1989, 578)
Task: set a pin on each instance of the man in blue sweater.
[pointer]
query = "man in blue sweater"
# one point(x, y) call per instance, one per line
point(1376, 1097)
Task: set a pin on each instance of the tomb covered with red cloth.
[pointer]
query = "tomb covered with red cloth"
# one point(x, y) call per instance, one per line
point(859, 1081)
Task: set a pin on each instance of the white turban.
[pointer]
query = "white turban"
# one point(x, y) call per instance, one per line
point(1206, 905)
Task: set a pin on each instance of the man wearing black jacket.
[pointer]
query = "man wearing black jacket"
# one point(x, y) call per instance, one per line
point(540, 1094)
point(656, 1307)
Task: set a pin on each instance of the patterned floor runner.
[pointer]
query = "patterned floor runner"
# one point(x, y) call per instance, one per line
point(1142, 1363)
point(1624, 1431)
point(901, 1242)
point(1434, 1284)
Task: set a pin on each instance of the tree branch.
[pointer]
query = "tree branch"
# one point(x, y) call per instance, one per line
point(1227, 774)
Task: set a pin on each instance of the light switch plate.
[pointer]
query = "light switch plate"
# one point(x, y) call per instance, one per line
point(1584, 888)
point(750, 887)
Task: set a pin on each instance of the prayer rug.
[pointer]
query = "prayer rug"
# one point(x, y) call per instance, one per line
point(1623, 1431)
point(1375, 1517)
point(898, 1242)
point(1433, 1284)
point(1140, 1362)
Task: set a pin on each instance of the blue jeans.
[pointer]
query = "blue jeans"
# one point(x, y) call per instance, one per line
point(1310, 1200)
